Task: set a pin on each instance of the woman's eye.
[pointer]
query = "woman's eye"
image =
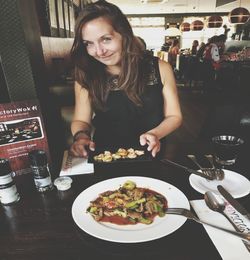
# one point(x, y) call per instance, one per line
point(105, 40)
point(87, 44)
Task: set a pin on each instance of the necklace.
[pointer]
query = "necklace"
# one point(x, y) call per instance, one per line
point(113, 82)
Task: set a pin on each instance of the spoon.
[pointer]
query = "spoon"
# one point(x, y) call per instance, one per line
point(219, 173)
point(216, 204)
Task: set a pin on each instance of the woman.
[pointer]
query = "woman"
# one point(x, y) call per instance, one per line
point(200, 50)
point(174, 50)
point(127, 96)
point(194, 48)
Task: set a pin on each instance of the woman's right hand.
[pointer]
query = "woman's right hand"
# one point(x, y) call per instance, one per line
point(80, 147)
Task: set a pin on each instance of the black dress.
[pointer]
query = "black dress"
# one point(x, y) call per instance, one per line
point(122, 123)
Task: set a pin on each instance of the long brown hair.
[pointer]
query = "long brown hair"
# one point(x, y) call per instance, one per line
point(91, 73)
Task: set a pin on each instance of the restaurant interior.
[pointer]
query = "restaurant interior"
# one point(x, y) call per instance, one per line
point(46, 36)
point(36, 39)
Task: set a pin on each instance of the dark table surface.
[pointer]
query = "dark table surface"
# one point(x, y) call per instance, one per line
point(40, 225)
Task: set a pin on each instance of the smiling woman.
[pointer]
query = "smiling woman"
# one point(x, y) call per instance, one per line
point(103, 43)
point(128, 96)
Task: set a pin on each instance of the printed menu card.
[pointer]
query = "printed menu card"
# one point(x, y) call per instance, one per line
point(21, 131)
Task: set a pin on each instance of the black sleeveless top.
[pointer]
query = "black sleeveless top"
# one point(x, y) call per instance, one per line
point(122, 123)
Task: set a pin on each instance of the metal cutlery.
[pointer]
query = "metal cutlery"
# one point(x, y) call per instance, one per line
point(233, 201)
point(190, 215)
point(208, 171)
point(216, 205)
point(191, 171)
point(219, 173)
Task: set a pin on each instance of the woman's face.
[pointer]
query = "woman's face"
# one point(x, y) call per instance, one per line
point(102, 42)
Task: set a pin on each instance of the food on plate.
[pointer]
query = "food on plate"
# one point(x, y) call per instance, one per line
point(121, 153)
point(128, 205)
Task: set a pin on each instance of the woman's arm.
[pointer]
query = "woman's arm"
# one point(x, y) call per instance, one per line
point(81, 123)
point(171, 108)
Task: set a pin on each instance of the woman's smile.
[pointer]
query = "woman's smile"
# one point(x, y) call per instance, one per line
point(106, 57)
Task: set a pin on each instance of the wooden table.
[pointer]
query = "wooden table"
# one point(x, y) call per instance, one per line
point(40, 225)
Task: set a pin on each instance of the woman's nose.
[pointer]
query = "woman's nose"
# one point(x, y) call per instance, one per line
point(100, 50)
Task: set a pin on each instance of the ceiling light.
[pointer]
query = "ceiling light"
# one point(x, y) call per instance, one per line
point(197, 25)
point(239, 15)
point(185, 27)
point(214, 21)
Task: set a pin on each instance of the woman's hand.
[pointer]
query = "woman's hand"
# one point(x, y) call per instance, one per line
point(80, 146)
point(154, 144)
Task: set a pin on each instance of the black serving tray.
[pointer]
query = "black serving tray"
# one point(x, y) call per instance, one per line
point(147, 156)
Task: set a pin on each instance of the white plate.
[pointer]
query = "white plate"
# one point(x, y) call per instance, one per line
point(129, 233)
point(234, 183)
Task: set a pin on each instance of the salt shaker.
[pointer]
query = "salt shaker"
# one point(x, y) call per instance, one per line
point(8, 190)
point(40, 169)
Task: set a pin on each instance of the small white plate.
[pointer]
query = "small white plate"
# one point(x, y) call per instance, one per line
point(129, 233)
point(234, 183)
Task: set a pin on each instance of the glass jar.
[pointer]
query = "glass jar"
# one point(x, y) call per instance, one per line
point(40, 169)
point(8, 190)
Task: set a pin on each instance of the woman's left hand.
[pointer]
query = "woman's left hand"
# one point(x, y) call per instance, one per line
point(154, 144)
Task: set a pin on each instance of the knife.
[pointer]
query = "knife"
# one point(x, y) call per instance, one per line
point(233, 201)
point(191, 171)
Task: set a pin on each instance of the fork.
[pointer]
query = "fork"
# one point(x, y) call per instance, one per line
point(219, 173)
point(191, 171)
point(207, 171)
point(190, 215)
